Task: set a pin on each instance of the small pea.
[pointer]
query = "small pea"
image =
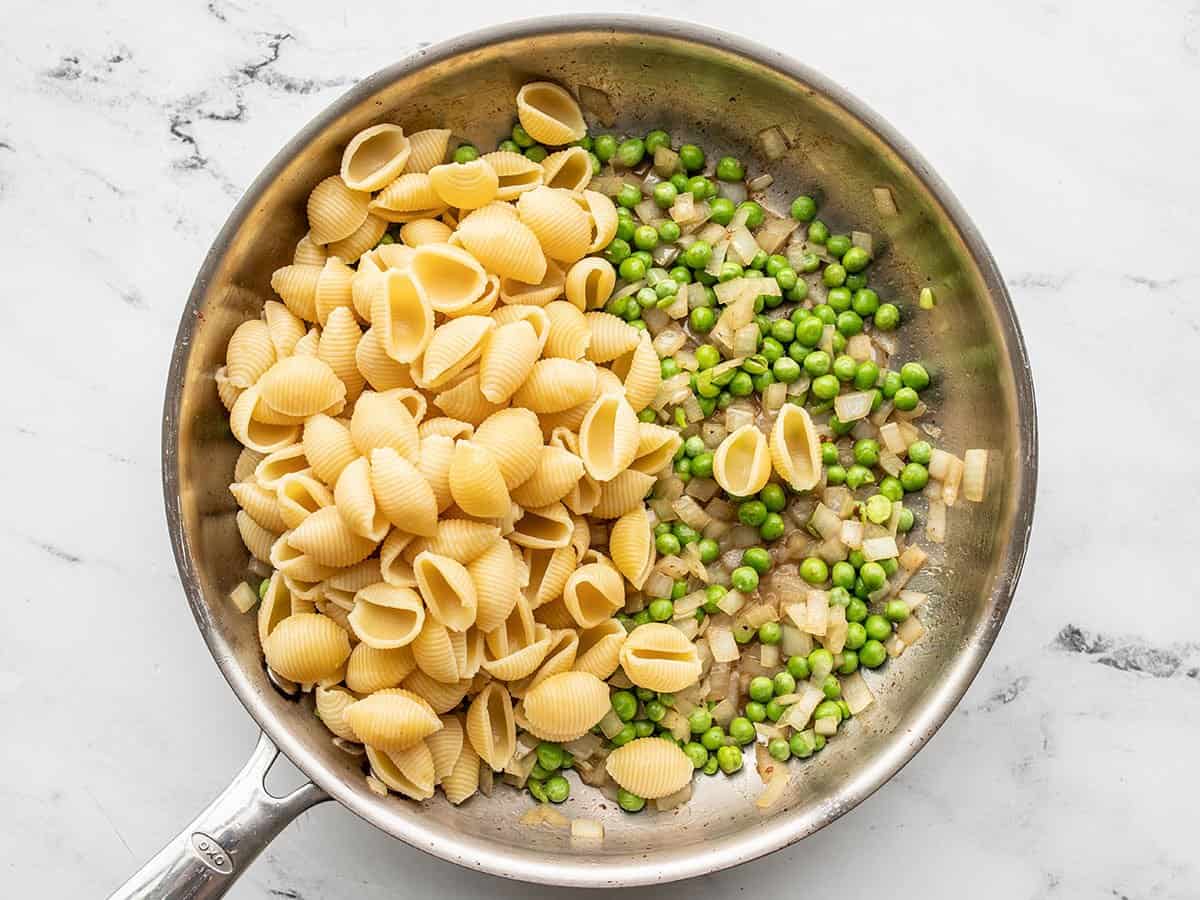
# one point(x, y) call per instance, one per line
point(691, 157)
point(631, 803)
point(729, 759)
point(887, 317)
point(803, 208)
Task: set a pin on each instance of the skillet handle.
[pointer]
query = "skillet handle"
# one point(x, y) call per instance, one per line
point(206, 857)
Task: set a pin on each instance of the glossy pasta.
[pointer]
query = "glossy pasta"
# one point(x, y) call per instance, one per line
point(650, 767)
point(565, 706)
point(660, 657)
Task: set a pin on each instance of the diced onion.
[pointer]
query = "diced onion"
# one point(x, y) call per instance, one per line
point(711, 233)
point(664, 254)
point(795, 642)
point(647, 211)
point(974, 478)
point(761, 182)
point(890, 463)
point(774, 142)
point(862, 239)
point(683, 211)
point(910, 630)
point(733, 191)
point(877, 548)
point(826, 726)
point(939, 464)
point(691, 513)
point(691, 408)
point(884, 201)
point(825, 521)
point(732, 602)
point(817, 613)
point(632, 288)
point(703, 489)
point(609, 185)
point(745, 340)
point(953, 480)
point(770, 655)
point(243, 597)
point(912, 558)
point(587, 830)
point(775, 395)
point(890, 435)
point(720, 641)
point(738, 416)
point(775, 789)
point(854, 405)
point(797, 715)
point(584, 747)
point(894, 646)
point(666, 162)
point(611, 724)
point(667, 342)
point(852, 534)
point(724, 712)
point(680, 797)
point(673, 567)
point(720, 250)
point(721, 510)
point(658, 584)
point(742, 536)
point(856, 693)
point(774, 233)
point(743, 245)
point(935, 523)
point(860, 347)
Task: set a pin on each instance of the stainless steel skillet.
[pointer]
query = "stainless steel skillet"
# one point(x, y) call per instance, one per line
point(721, 92)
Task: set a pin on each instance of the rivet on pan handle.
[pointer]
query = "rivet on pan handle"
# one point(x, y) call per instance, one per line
point(204, 860)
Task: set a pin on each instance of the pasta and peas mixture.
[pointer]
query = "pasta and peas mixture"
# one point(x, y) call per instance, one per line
point(572, 456)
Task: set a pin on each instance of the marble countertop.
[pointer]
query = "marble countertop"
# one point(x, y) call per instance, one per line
point(1067, 128)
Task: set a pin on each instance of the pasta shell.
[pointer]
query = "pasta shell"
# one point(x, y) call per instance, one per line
point(460, 539)
point(384, 420)
point(467, 185)
point(593, 593)
point(623, 494)
point(562, 227)
point(742, 464)
point(566, 706)
point(326, 538)
point(514, 439)
point(517, 631)
point(447, 589)
point(356, 504)
point(589, 284)
point(284, 327)
point(600, 648)
point(549, 569)
point(374, 157)
point(650, 767)
point(308, 253)
point(328, 447)
point(604, 220)
point(555, 615)
point(486, 302)
point(508, 356)
point(795, 448)
point(365, 237)
point(380, 370)
point(306, 647)
point(428, 149)
point(445, 426)
point(401, 318)
point(659, 657)
point(437, 451)
point(331, 705)
point(564, 642)
point(446, 746)
point(414, 401)
point(631, 546)
point(393, 567)
point(463, 780)
point(449, 279)
point(476, 482)
point(354, 578)
point(335, 210)
point(641, 372)
point(611, 337)
point(403, 494)
point(549, 288)
point(371, 669)
point(504, 246)
point(536, 316)
point(409, 772)
point(516, 173)
point(339, 343)
point(544, 528)
point(569, 169)
point(491, 728)
point(301, 386)
point(549, 114)
point(455, 345)
point(557, 472)
point(260, 503)
point(434, 652)
point(656, 449)
point(333, 288)
point(297, 285)
point(274, 467)
point(387, 617)
point(465, 401)
point(556, 385)
point(249, 354)
point(257, 539)
point(309, 344)
point(495, 578)
point(419, 232)
point(299, 496)
point(569, 334)
point(392, 719)
point(247, 462)
point(520, 662)
point(608, 437)
point(441, 697)
point(410, 196)
point(227, 391)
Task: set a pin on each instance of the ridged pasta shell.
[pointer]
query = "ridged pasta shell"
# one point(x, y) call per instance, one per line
point(393, 567)
point(249, 354)
point(589, 284)
point(434, 652)
point(742, 463)
point(467, 185)
point(518, 630)
point(365, 237)
point(274, 467)
point(549, 569)
point(556, 385)
point(495, 578)
point(308, 253)
point(569, 169)
point(383, 419)
point(535, 315)
point(276, 606)
point(611, 337)
point(387, 617)
point(641, 373)
point(374, 157)
point(485, 304)
point(246, 463)
point(600, 648)
point(333, 288)
point(299, 496)
point(355, 502)
point(410, 196)
point(339, 343)
point(514, 439)
point(447, 589)
point(476, 482)
point(608, 437)
point(795, 448)
point(437, 451)
point(548, 289)
point(490, 727)
point(403, 494)
point(309, 344)
point(516, 172)
point(441, 697)
point(543, 528)
point(449, 278)
point(660, 657)
point(401, 317)
point(354, 578)
point(460, 539)
point(465, 401)
point(331, 705)
point(503, 245)
point(604, 220)
point(564, 642)
point(520, 662)
point(446, 746)
point(631, 546)
point(455, 345)
point(380, 370)
point(295, 563)
point(419, 232)
point(261, 504)
point(593, 593)
point(557, 472)
point(549, 114)
point(650, 767)
point(301, 386)
point(306, 647)
point(428, 149)
point(445, 426)
point(623, 494)
point(371, 669)
point(328, 447)
point(414, 401)
point(392, 719)
point(562, 227)
point(569, 335)
point(297, 285)
point(326, 538)
point(335, 210)
point(508, 357)
point(284, 327)
point(566, 706)
point(463, 781)
point(656, 447)
point(555, 615)
point(409, 772)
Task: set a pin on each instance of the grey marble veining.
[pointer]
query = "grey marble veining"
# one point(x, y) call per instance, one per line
point(1067, 128)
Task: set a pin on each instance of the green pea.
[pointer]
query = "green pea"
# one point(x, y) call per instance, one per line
point(711, 767)
point(920, 452)
point(849, 663)
point(691, 157)
point(625, 228)
point(630, 152)
point(262, 587)
point(550, 756)
point(617, 251)
point(891, 384)
point(742, 730)
point(537, 153)
point(713, 595)
point(774, 710)
point(629, 196)
point(784, 683)
point(866, 375)
point(657, 138)
point(730, 169)
point(845, 368)
point(699, 720)
point(741, 385)
point(730, 271)
point(820, 661)
point(763, 381)
point(557, 789)
point(761, 689)
point(624, 704)
point(645, 694)
point(646, 238)
point(779, 750)
point(906, 521)
point(817, 364)
point(509, 146)
point(840, 428)
point(913, 477)
point(668, 544)
point(866, 302)
point(801, 745)
point(786, 370)
point(655, 711)
point(914, 375)
point(755, 711)
point(668, 366)
point(773, 497)
point(770, 633)
point(887, 317)
point(814, 570)
point(540, 773)
point(641, 617)
point(866, 452)
point(465, 153)
point(842, 575)
point(679, 182)
point(906, 399)
point(818, 232)
point(856, 611)
point(713, 737)
point(536, 789)
point(896, 611)
point(702, 319)
point(873, 575)
point(771, 349)
point(697, 256)
point(809, 331)
point(758, 559)
point(702, 464)
point(664, 194)
point(828, 709)
point(891, 488)
point(604, 146)
point(855, 259)
point(849, 323)
point(890, 566)
point(798, 668)
point(521, 137)
point(629, 802)
point(824, 387)
point(708, 548)
point(744, 579)
point(831, 687)
point(729, 759)
point(696, 753)
point(686, 534)
point(878, 628)
point(721, 210)
point(632, 269)
point(661, 610)
point(754, 213)
point(595, 163)
point(645, 257)
point(825, 313)
point(839, 299)
point(804, 208)
point(837, 245)
point(701, 188)
point(872, 654)
point(878, 509)
point(668, 232)
point(625, 735)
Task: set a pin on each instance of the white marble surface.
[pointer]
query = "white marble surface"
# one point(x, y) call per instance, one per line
point(1068, 129)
